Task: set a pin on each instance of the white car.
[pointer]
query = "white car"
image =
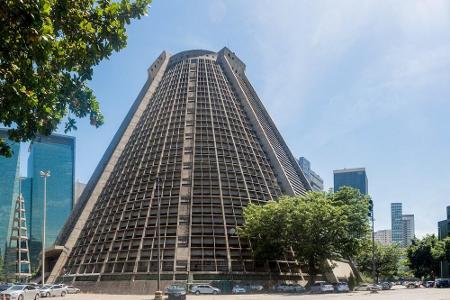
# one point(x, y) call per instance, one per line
point(322, 287)
point(20, 292)
point(53, 290)
point(238, 290)
point(71, 290)
point(204, 289)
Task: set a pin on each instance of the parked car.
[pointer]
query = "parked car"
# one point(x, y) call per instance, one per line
point(53, 290)
point(368, 287)
point(20, 292)
point(238, 290)
point(72, 290)
point(254, 288)
point(175, 291)
point(5, 286)
point(429, 284)
point(289, 288)
point(204, 289)
point(341, 287)
point(386, 285)
point(442, 282)
point(413, 284)
point(322, 287)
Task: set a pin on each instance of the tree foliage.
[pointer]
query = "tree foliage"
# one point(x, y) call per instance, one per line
point(47, 52)
point(316, 227)
point(386, 257)
point(425, 256)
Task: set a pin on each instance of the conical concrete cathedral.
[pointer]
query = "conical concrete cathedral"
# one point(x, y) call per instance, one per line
point(199, 142)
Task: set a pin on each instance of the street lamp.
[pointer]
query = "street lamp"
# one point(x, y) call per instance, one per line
point(373, 241)
point(44, 174)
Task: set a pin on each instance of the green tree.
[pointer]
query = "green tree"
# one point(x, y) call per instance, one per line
point(386, 259)
point(425, 255)
point(316, 227)
point(47, 52)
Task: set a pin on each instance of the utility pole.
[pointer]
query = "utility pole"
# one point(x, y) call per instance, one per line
point(44, 174)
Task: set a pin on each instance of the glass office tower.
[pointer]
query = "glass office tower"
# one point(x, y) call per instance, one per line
point(396, 223)
point(314, 179)
point(355, 178)
point(55, 153)
point(9, 191)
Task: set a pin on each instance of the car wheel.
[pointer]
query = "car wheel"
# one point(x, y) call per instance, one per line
point(63, 294)
point(215, 292)
point(47, 295)
point(197, 292)
point(36, 297)
point(20, 297)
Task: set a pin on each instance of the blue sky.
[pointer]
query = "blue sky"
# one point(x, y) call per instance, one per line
point(348, 83)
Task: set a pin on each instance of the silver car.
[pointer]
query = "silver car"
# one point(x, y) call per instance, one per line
point(72, 290)
point(204, 289)
point(322, 287)
point(20, 292)
point(53, 290)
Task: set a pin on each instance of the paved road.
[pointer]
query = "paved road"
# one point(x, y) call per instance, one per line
point(399, 293)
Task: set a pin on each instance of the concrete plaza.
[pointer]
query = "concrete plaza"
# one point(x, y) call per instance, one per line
point(397, 293)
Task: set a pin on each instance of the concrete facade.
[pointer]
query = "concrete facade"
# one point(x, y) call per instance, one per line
point(408, 229)
point(197, 146)
point(383, 237)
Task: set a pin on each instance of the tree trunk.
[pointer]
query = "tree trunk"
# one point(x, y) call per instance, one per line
point(312, 271)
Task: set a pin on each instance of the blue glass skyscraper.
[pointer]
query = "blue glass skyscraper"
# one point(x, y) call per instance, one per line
point(355, 178)
point(9, 191)
point(396, 223)
point(55, 153)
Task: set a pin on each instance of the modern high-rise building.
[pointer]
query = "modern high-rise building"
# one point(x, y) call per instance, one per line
point(355, 178)
point(396, 223)
point(9, 191)
point(55, 153)
point(402, 226)
point(196, 148)
point(383, 237)
point(444, 232)
point(408, 229)
point(444, 226)
point(313, 178)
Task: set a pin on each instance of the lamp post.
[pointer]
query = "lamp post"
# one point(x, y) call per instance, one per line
point(373, 242)
point(44, 174)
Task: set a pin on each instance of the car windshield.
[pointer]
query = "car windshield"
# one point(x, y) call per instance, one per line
point(46, 286)
point(176, 287)
point(17, 288)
